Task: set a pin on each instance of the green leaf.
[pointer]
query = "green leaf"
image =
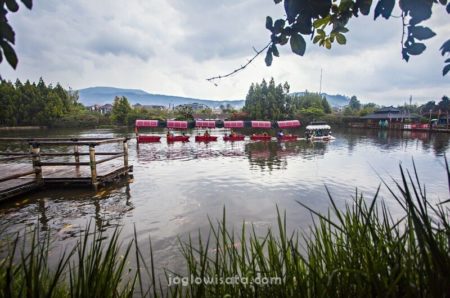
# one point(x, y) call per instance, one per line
point(446, 69)
point(416, 49)
point(7, 32)
point(327, 44)
point(321, 22)
point(275, 50)
point(283, 39)
point(321, 32)
point(269, 57)
point(278, 26)
point(12, 5)
point(298, 44)
point(28, 3)
point(10, 54)
point(269, 23)
point(340, 38)
point(316, 39)
point(421, 32)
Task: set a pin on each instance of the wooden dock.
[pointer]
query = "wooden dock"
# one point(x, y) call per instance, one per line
point(27, 171)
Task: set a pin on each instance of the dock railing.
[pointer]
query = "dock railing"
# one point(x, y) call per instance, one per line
point(35, 154)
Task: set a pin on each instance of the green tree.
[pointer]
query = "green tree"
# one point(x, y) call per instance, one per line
point(325, 22)
point(267, 101)
point(354, 103)
point(444, 104)
point(326, 106)
point(429, 106)
point(367, 109)
point(121, 110)
point(184, 112)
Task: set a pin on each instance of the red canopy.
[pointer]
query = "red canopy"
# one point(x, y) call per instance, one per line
point(177, 124)
point(205, 124)
point(233, 124)
point(146, 123)
point(261, 124)
point(289, 124)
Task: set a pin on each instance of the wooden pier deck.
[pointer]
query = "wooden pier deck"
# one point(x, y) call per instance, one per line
point(32, 172)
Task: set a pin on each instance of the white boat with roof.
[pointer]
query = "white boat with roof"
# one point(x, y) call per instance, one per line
point(318, 130)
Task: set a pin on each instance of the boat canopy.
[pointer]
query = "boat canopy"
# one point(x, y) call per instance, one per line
point(146, 123)
point(288, 124)
point(318, 127)
point(205, 123)
point(261, 124)
point(177, 124)
point(233, 124)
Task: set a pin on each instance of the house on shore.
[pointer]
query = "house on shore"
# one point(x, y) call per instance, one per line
point(388, 117)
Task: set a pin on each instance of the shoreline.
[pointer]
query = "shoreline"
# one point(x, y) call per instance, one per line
point(22, 127)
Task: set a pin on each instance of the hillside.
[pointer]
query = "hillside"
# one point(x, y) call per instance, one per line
point(104, 95)
point(336, 101)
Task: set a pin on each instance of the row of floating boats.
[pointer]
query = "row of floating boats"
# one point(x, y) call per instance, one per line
point(314, 131)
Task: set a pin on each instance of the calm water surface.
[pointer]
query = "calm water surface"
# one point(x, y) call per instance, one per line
point(177, 186)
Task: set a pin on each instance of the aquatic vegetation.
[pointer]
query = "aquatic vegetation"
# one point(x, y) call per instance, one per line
point(361, 250)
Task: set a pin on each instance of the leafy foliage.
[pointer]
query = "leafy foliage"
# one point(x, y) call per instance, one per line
point(121, 110)
point(184, 112)
point(35, 104)
point(273, 102)
point(325, 21)
point(443, 106)
point(7, 35)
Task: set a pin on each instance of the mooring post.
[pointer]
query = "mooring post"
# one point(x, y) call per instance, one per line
point(77, 155)
point(125, 153)
point(36, 157)
point(93, 165)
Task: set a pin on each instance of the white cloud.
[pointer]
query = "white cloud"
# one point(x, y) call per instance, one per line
point(171, 47)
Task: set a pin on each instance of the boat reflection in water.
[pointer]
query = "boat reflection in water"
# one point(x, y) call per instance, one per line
point(274, 155)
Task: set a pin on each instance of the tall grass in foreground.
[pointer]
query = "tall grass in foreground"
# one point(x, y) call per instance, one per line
point(359, 251)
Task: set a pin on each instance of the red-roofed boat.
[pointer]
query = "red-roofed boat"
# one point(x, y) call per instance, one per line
point(205, 138)
point(146, 124)
point(234, 138)
point(148, 139)
point(172, 139)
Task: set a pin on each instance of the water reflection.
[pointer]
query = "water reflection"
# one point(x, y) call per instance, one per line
point(176, 186)
point(66, 212)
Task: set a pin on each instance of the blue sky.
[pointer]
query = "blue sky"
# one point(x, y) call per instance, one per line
point(171, 47)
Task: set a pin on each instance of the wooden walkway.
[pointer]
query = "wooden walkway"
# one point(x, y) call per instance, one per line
point(31, 173)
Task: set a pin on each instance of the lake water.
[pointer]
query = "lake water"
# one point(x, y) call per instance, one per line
point(176, 187)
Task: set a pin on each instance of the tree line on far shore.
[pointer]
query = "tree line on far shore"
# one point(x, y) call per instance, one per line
point(38, 104)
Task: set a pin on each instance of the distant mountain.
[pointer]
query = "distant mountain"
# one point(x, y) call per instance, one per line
point(336, 101)
point(104, 95)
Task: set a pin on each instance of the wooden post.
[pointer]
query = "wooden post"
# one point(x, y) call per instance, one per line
point(125, 154)
point(36, 156)
point(93, 165)
point(76, 153)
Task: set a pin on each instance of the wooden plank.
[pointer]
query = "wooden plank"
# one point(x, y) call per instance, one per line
point(12, 169)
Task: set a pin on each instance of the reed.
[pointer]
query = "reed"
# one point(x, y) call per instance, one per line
point(360, 250)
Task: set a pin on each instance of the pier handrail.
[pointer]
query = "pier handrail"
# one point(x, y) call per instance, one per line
point(36, 154)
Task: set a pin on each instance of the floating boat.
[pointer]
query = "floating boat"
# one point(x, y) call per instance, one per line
point(205, 138)
point(288, 138)
point(148, 139)
point(234, 138)
point(260, 138)
point(171, 139)
point(318, 131)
